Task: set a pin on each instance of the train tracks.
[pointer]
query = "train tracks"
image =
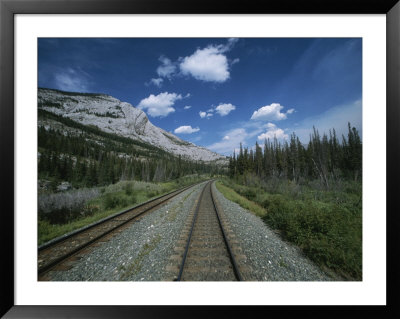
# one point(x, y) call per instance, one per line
point(208, 253)
point(58, 254)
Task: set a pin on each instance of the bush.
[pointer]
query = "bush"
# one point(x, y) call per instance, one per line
point(61, 208)
point(273, 202)
point(249, 194)
point(116, 200)
point(326, 225)
point(89, 210)
point(327, 233)
point(133, 199)
point(111, 201)
point(128, 189)
point(151, 194)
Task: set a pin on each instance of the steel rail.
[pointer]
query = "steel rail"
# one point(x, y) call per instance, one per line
point(43, 269)
point(236, 271)
point(231, 256)
point(190, 235)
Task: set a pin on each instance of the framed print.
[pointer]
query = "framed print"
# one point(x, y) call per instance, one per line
point(280, 73)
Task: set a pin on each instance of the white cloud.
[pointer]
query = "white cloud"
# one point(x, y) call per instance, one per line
point(222, 109)
point(271, 112)
point(72, 80)
point(207, 64)
point(186, 129)
point(225, 109)
point(272, 132)
point(157, 82)
point(159, 105)
point(167, 68)
point(206, 114)
point(187, 107)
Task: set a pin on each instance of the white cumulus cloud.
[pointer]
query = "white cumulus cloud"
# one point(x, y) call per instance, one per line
point(207, 64)
point(272, 132)
point(186, 129)
point(271, 112)
point(187, 107)
point(159, 105)
point(225, 109)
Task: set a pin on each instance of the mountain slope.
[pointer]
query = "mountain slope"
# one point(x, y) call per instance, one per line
point(113, 116)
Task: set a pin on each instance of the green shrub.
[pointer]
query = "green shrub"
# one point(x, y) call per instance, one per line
point(133, 199)
point(249, 194)
point(327, 233)
point(89, 210)
point(111, 201)
point(326, 225)
point(151, 194)
point(128, 189)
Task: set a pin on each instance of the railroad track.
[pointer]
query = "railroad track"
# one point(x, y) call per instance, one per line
point(59, 253)
point(208, 253)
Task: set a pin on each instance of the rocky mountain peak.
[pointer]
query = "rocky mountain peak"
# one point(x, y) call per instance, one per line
point(113, 116)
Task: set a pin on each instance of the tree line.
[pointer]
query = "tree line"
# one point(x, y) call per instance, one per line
point(324, 157)
point(87, 159)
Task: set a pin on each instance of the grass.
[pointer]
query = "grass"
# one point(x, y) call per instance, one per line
point(230, 194)
point(110, 200)
point(136, 265)
point(173, 212)
point(326, 225)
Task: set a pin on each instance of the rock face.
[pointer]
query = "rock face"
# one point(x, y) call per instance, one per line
point(113, 116)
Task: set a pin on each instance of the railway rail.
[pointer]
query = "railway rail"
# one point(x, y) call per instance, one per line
point(208, 254)
point(63, 249)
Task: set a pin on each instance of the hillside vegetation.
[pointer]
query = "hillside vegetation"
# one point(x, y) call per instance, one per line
point(85, 156)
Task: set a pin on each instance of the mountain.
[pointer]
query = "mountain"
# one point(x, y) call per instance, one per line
point(110, 115)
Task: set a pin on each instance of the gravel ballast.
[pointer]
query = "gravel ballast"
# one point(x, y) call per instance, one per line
point(142, 251)
point(139, 253)
point(270, 258)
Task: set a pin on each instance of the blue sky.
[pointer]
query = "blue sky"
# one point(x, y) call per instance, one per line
point(218, 92)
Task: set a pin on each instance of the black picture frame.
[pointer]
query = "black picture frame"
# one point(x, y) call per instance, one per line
point(8, 9)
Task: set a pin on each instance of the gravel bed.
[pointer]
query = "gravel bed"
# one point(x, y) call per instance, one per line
point(139, 253)
point(270, 258)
